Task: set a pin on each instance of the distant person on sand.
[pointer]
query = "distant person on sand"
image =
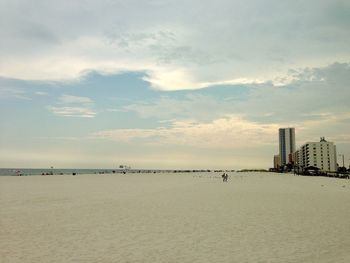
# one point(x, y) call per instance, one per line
point(224, 177)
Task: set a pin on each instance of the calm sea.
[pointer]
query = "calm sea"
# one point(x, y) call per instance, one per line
point(48, 171)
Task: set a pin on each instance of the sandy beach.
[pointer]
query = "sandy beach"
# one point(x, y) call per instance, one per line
point(255, 217)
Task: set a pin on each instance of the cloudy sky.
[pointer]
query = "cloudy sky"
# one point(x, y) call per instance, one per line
point(170, 83)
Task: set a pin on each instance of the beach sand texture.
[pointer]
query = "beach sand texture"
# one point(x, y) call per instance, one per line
point(255, 217)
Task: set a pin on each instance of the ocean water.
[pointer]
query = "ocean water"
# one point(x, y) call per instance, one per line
point(53, 171)
point(49, 171)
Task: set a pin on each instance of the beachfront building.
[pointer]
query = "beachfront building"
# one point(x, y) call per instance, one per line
point(276, 161)
point(286, 145)
point(322, 155)
point(296, 157)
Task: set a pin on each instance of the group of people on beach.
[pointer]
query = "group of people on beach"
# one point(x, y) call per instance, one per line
point(224, 177)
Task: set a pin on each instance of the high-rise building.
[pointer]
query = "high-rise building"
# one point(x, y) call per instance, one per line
point(322, 155)
point(286, 144)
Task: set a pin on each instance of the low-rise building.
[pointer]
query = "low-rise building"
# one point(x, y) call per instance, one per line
point(276, 161)
point(322, 155)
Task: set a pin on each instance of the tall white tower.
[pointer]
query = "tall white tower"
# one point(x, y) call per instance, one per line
point(286, 144)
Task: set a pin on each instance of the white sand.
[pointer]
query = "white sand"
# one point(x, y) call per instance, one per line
point(174, 218)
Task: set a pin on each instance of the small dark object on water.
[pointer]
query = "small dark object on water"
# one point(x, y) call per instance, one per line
point(74, 173)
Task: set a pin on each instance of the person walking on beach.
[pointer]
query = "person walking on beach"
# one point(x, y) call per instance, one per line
point(224, 177)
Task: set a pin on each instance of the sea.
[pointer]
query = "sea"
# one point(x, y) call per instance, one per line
point(54, 171)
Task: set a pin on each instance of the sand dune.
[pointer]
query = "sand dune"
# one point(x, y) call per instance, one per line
point(174, 218)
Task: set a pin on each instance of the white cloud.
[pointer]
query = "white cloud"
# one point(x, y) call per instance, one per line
point(73, 112)
point(69, 99)
point(334, 127)
point(193, 106)
point(75, 106)
point(232, 133)
point(41, 93)
point(14, 93)
point(228, 132)
point(312, 93)
point(222, 42)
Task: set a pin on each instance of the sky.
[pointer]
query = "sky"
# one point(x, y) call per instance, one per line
point(170, 84)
